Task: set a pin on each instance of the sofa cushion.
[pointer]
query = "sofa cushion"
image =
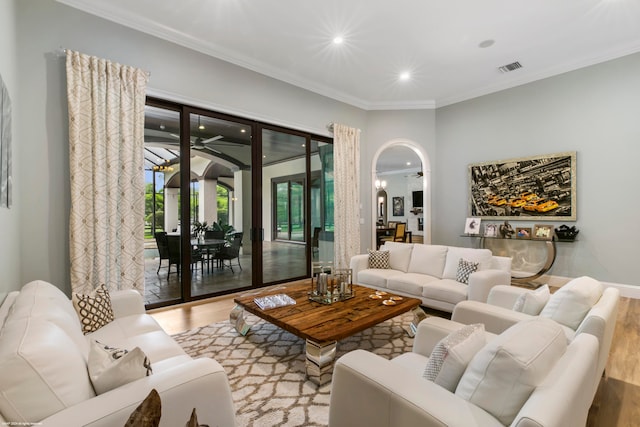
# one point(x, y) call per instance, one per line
point(465, 268)
point(399, 255)
point(503, 374)
point(376, 277)
point(428, 259)
point(572, 302)
point(446, 290)
point(111, 367)
point(42, 371)
point(532, 302)
point(411, 283)
point(452, 354)
point(379, 259)
point(481, 256)
point(94, 310)
point(40, 300)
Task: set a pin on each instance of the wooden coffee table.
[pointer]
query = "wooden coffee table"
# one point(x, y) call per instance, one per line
point(322, 326)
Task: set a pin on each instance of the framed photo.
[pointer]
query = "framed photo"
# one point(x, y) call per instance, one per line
point(541, 188)
point(491, 230)
point(398, 206)
point(472, 226)
point(523, 233)
point(542, 232)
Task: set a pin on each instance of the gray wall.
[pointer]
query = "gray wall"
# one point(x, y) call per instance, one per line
point(10, 239)
point(44, 27)
point(594, 111)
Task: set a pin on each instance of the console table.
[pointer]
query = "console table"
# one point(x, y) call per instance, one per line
point(531, 258)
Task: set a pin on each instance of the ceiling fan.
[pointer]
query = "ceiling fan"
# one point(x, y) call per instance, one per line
point(202, 144)
point(414, 175)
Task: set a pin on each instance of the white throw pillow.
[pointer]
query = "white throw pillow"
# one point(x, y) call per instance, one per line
point(452, 354)
point(572, 302)
point(93, 310)
point(533, 302)
point(112, 367)
point(503, 374)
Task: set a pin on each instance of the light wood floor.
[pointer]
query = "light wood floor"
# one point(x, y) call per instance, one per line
point(617, 402)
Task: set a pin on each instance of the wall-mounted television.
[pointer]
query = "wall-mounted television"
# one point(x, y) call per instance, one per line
point(417, 199)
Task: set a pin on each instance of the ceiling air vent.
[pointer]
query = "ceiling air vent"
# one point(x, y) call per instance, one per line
point(510, 67)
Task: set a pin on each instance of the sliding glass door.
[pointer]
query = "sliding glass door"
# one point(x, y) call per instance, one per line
point(251, 210)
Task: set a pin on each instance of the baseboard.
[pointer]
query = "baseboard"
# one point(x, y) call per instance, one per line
point(630, 291)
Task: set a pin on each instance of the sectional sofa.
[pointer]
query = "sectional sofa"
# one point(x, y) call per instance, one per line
point(431, 273)
point(45, 376)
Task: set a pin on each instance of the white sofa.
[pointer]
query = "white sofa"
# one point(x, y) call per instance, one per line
point(551, 391)
point(428, 272)
point(583, 305)
point(43, 366)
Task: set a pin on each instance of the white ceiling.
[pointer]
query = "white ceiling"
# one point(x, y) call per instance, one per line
point(437, 41)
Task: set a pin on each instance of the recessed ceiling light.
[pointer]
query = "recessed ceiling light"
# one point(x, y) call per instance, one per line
point(338, 40)
point(486, 43)
point(405, 75)
point(242, 130)
point(408, 163)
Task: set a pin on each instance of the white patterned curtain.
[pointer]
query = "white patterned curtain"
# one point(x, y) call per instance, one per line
point(346, 181)
point(106, 137)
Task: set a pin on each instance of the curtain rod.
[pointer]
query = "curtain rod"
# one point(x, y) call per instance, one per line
point(61, 52)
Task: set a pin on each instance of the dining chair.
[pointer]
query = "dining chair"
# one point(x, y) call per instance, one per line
point(174, 255)
point(229, 253)
point(173, 249)
point(163, 248)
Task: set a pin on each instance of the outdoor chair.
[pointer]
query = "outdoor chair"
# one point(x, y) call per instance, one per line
point(229, 253)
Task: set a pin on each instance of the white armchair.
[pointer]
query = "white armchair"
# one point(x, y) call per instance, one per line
point(572, 311)
point(368, 390)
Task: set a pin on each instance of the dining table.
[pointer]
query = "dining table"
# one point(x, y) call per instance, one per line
point(208, 246)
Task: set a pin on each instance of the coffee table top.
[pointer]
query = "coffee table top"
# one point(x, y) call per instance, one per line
point(325, 322)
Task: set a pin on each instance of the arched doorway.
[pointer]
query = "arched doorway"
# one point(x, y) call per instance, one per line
point(402, 169)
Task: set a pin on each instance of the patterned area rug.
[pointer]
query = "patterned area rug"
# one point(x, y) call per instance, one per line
point(266, 369)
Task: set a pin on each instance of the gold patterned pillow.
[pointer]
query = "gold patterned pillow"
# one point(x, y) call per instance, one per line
point(94, 310)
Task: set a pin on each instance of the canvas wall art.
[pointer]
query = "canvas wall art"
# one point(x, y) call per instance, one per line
point(540, 188)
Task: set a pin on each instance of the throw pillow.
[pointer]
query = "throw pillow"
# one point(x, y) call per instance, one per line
point(465, 268)
point(452, 354)
point(503, 374)
point(148, 413)
point(533, 302)
point(94, 310)
point(379, 259)
point(111, 367)
point(571, 303)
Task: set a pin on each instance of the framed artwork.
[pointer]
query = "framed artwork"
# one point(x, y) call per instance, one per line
point(491, 230)
point(542, 232)
point(472, 226)
point(540, 187)
point(398, 206)
point(5, 147)
point(523, 233)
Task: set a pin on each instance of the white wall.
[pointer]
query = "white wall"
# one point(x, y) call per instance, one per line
point(11, 241)
point(594, 111)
